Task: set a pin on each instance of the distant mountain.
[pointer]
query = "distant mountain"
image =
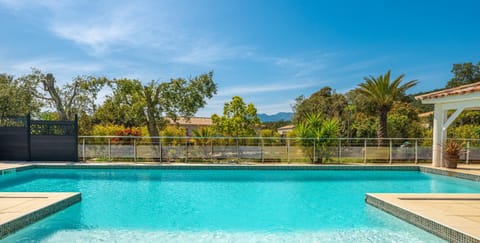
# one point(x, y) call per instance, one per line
point(286, 116)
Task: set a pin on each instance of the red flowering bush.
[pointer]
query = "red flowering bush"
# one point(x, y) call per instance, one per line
point(127, 135)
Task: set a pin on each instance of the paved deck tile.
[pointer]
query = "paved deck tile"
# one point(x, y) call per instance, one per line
point(452, 216)
point(19, 209)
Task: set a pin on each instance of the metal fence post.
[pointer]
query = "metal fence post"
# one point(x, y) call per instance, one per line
point(186, 150)
point(28, 135)
point(365, 151)
point(314, 151)
point(161, 149)
point(109, 150)
point(467, 155)
point(238, 151)
point(339, 150)
point(261, 151)
point(211, 149)
point(390, 152)
point(83, 149)
point(288, 150)
point(416, 151)
point(135, 149)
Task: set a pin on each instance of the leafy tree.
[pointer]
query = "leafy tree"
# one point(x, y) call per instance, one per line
point(77, 97)
point(152, 103)
point(464, 73)
point(238, 119)
point(172, 135)
point(118, 110)
point(316, 131)
point(362, 126)
point(268, 133)
point(324, 102)
point(382, 92)
point(466, 131)
point(403, 121)
point(16, 97)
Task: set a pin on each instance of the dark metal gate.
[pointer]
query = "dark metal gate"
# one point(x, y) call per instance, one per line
point(31, 140)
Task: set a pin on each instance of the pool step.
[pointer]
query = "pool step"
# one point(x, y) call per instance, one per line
point(19, 209)
point(454, 217)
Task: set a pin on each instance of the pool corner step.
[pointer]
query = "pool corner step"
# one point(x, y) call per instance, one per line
point(451, 216)
point(20, 209)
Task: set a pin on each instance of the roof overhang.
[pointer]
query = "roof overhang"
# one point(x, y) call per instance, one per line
point(463, 94)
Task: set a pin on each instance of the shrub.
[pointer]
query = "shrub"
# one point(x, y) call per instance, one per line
point(316, 131)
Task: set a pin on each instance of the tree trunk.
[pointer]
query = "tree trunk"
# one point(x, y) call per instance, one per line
point(382, 125)
point(49, 86)
point(153, 131)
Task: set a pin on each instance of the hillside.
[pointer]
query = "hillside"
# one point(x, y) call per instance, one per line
point(285, 116)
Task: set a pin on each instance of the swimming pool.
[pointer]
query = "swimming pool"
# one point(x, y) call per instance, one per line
point(126, 205)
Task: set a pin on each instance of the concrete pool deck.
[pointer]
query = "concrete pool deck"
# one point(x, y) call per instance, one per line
point(19, 209)
point(16, 166)
point(452, 216)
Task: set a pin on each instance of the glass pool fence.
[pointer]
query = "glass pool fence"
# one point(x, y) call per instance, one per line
point(265, 149)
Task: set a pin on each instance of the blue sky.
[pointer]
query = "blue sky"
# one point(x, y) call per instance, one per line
point(269, 51)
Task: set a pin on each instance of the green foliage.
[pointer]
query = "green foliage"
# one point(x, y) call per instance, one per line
point(204, 132)
point(16, 97)
point(464, 73)
point(468, 117)
point(325, 102)
point(107, 130)
point(133, 103)
point(403, 121)
point(77, 97)
point(315, 131)
point(358, 102)
point(173, 135)
point(362, 126)
point(203, 136)
point(465, 131)
point(124, 106)
point(238, 119)
point(268, 133)
point(173, 131)
point(382, 92)
point(48, 116)
point(275, 125)
point(273, 137)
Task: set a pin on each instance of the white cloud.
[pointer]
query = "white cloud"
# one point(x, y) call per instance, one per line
point(64, 70)
point(52, 64)
point(205, 53)
point(116, 25)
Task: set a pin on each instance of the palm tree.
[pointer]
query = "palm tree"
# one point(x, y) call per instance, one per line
point(383, 93)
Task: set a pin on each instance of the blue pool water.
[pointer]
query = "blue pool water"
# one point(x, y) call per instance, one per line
point(225, 205)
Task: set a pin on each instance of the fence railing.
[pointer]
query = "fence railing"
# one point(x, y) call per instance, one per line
point(265, 149)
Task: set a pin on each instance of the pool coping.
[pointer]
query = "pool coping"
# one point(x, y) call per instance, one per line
point(39, 206)
point(416, 167)
point(409, 207)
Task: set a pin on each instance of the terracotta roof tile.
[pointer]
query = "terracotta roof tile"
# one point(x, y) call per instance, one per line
point(199, 121)
point(461, 90)
point(286, 127)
